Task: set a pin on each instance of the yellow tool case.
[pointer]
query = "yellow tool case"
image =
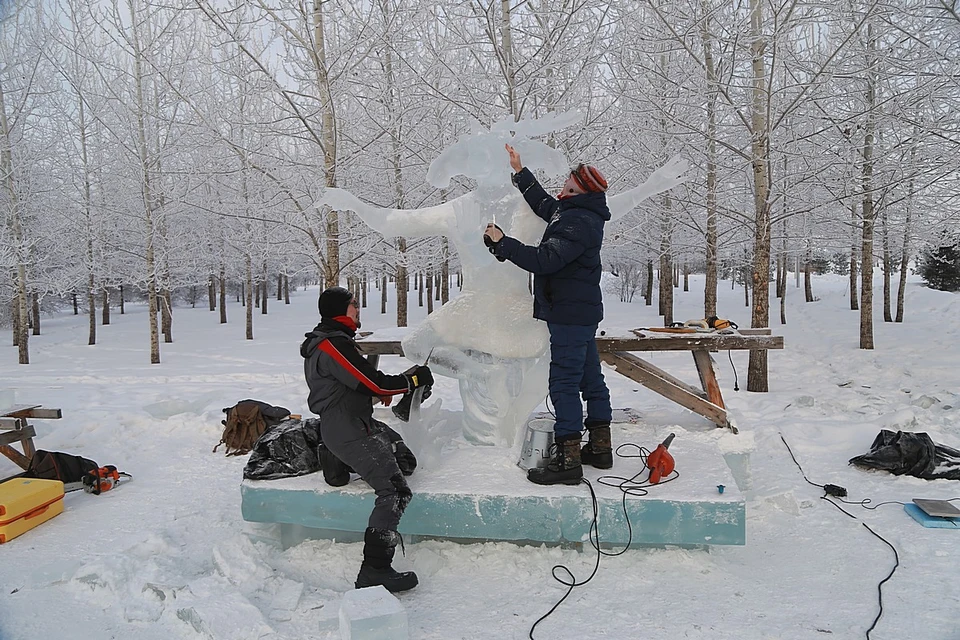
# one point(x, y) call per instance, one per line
point(26, 503)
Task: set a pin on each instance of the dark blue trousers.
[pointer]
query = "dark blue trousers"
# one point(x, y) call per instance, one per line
point(575, 370)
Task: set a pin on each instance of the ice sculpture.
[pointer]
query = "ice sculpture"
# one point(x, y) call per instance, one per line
point(487, 337)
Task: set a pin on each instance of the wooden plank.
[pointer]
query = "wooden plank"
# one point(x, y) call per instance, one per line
point(18, 435)
point(656, 372)
point(637, 370)
point(12, 423)
point(762, 331)
point(662, 342)
point(18, 458)
point(708, 378)
point(16, 409)
point(27, 443)
point(380, 347)
point(43, 414)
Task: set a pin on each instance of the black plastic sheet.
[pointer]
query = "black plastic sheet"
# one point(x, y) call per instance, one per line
point(287, 450)
point(911, 454)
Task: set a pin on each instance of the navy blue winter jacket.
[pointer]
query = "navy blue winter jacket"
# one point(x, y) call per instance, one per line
point(566, 264)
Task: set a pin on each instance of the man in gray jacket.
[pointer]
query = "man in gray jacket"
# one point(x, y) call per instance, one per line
point(343, 388)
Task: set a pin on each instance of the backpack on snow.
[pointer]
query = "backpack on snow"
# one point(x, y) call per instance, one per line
point(246, 421)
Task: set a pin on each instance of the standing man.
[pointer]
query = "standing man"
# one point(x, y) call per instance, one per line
point(566, 287)
point(343, 388)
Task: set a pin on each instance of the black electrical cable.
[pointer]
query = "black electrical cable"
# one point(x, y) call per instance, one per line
point(863, 503)
point(628, 487)
point(736, 386)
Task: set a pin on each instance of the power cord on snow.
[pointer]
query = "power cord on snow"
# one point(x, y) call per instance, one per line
point(834, 491)
point(632, 486)
point(736, 386)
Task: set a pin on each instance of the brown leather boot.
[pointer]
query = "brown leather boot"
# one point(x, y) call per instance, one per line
point(599, 451)
point(565, 466)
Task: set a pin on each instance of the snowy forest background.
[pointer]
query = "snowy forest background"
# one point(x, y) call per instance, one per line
point(172, 152)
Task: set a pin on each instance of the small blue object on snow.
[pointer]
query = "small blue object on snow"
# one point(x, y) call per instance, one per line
point(372, 613)
point(720, 488)
point(932, 522)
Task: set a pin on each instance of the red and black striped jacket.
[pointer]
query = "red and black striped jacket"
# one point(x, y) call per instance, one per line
point(342, 382)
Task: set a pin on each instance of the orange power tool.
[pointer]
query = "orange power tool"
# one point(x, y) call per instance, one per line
point(660, 462)
point(102, 480)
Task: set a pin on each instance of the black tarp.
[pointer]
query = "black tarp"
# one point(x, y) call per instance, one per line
point(912, 454)
point(288, 449)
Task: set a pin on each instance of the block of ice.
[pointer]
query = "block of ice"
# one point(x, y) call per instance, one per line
point(372, 614)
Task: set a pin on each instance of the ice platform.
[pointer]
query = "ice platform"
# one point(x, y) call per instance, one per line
point(480, 494)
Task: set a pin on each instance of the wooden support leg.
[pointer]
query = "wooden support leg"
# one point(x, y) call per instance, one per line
point(661, 382)
point(708, 378)
point(25, 437)
point(18, 458)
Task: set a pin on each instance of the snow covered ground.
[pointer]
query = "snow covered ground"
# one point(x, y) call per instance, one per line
point(168, 556)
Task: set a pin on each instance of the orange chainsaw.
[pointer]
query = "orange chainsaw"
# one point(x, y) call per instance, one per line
point(98, 481)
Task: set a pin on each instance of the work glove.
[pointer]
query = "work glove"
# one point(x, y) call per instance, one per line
point(419, 377)
point(402, 408)
point(405, 458)
point(492, 245)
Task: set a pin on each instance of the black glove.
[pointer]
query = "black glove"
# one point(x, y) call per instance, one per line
point(419, 377)
point(405, 458)
point(402, 408)
point(492, 246)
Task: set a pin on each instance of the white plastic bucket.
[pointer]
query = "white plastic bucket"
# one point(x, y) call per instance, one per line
point(535, 452)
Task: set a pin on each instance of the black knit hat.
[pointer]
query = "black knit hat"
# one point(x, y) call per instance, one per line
point(333, 302)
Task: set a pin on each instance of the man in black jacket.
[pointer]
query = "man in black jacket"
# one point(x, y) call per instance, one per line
point(566, 286)
point(343, 388)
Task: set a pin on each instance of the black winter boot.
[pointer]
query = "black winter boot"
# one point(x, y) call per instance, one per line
point(598, 452)
point(565, 467)
point(378, 549)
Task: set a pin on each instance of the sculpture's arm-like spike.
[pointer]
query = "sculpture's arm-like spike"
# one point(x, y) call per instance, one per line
point(666, 177)
point(409, 223)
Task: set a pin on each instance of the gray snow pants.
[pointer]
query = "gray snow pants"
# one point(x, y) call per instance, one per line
point(369, 452)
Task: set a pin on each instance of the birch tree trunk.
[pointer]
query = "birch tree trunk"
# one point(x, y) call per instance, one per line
point(16, 227)
point(887, 267)
point(265, 296)
point(36, 314)
point(648, 292)
point(223, 294)
point(907, 229)
point(329, 128)
point(249, 298)
point(854, 262)
point(666, 266)
point(760, 159)
point(383, 295)
point(429, 284)
point(149, 204)
point(866, 259)
point(445, 273)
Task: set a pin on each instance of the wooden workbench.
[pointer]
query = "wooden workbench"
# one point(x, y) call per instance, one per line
point(619, 352)
point(15, 427)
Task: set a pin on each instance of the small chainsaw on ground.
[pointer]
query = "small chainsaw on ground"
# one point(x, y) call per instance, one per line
point(99, 481)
